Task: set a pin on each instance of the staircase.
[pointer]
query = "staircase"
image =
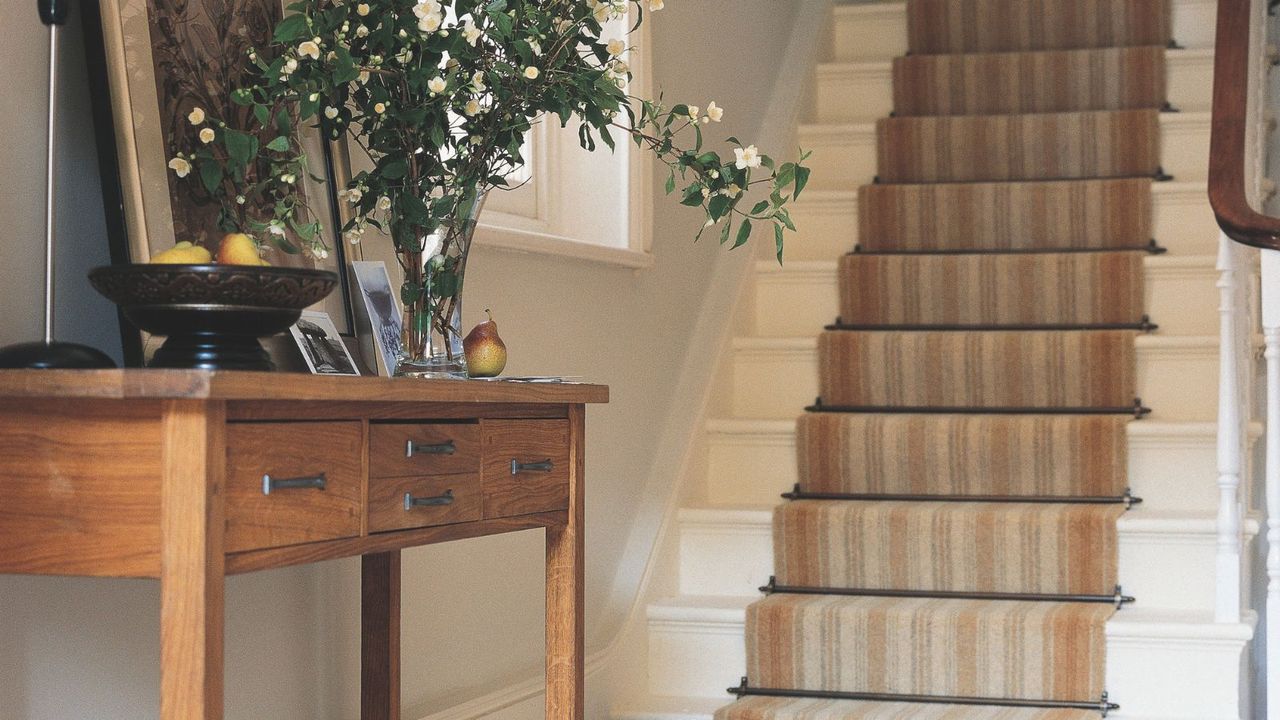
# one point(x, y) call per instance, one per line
point(1161, 657)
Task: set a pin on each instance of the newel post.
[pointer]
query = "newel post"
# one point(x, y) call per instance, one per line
point(1271, 334)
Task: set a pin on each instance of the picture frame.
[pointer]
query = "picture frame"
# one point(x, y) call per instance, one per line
point(379, 312)
point(139, 53)
point(321, 346)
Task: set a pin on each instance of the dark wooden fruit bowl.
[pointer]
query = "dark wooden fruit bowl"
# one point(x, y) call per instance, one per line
point(212, 315)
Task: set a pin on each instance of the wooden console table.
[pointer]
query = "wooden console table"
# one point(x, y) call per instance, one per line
point(188, 476)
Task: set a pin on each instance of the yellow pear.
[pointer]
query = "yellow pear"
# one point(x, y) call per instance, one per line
point(485, 351)
point(238, 249)
point(184, 253)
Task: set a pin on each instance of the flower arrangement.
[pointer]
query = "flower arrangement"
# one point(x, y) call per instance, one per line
point(440, 95)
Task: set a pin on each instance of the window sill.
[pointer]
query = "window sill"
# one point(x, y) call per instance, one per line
point(546, 244)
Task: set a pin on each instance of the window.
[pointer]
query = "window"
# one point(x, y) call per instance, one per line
point(589, 205)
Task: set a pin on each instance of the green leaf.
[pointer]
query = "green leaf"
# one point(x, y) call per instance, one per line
point(744, 234)
point(262, 114)
point(719, 206)
point(415, 211)
point(239, 145)
point(760, 207)
point(724, 232)
point(692, 196)
point(290, 29)
point(802, 179)
point(280, 144)
point(671, 183)
point(211, 175)
point(396, 169)
point(778, 240)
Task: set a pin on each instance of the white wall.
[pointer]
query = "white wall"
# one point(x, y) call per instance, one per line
point(73, 649)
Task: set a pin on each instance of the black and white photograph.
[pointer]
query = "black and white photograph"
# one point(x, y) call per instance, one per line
point(321, 345)
point(379, 302)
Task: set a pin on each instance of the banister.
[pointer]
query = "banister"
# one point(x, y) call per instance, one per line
point(1227, 145)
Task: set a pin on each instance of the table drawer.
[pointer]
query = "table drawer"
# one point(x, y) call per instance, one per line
point(291, 483)
point(402, 503)
point(526, 466)
point(413, 449)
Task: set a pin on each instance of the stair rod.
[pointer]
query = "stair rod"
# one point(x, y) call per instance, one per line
point(1118, 599)
point(1128, 499)
point(1103, 705)
point(1145, 325)
point(1152, 248)
point(1138, 410)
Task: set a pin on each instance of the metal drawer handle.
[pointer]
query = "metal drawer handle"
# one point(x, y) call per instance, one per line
point(444, 448)
point(518, 467)
point(315, 482)
point(411, 502)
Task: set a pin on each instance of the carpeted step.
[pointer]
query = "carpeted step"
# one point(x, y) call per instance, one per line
point(992, 455)
point(1029, 82)
point(973, 547)
point(1094, 288)
point(1072, 214)
point(969, 26)
point(978, 369)
point(776, 708)
point(1047, 146)
point(919, 646)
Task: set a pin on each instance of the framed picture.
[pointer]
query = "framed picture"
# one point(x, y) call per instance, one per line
point(154, 62)
point(380, 313)
point(321, 345)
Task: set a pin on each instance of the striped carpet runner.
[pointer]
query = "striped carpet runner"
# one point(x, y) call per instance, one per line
point(951, 550)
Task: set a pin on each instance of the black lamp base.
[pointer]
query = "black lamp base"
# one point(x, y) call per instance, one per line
point(52, 356)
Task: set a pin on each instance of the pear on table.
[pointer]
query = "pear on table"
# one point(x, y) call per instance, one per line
point(485, 351)
point(184, 253)
point(239, 249)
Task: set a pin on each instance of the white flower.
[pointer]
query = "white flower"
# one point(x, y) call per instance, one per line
point(477, 81)
point(471, 109)
point(531, 72)
point(206, 135)
point(470, 32)
point(404, 56)
point(309, 48)
point(617, 47)
point(536, 47)
point(430, 15)
point(380, 108)
point(331, 112)
point(353, 196)
point(747, 158)
point(289, 66)
point(363, 77)
point(180, 167)
point(431, 246)
point(275, 227)
point(437, 85)
point(288, 178)
point(362, 9)
point(239, 199)
point(384, 203)
point(656, 5)
point(196, 116)
point(714, 112)
point(362, 31)
point(353, 236)
point(706, 192)
point(694, 111)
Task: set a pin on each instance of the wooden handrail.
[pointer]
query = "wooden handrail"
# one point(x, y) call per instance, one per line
point(1230, 122)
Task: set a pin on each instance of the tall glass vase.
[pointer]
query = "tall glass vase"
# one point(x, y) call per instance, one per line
point(432, 295)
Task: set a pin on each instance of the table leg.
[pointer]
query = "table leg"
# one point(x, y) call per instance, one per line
point(565, 656)
point(380, 636)
point(191, 560)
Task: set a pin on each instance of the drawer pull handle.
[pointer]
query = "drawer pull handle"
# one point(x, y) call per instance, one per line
point(518, 467)
point(315, 482)
point(411, 502)
point(445, 448)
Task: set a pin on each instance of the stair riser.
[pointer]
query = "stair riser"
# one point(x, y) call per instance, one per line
point(857, 93)
point(799, 303)
point(1183, 222)
point(1155, 678)
point(735, 558)
point(877, 32)
point(1171, 473)
point(1178, 383)
point(844, 157)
